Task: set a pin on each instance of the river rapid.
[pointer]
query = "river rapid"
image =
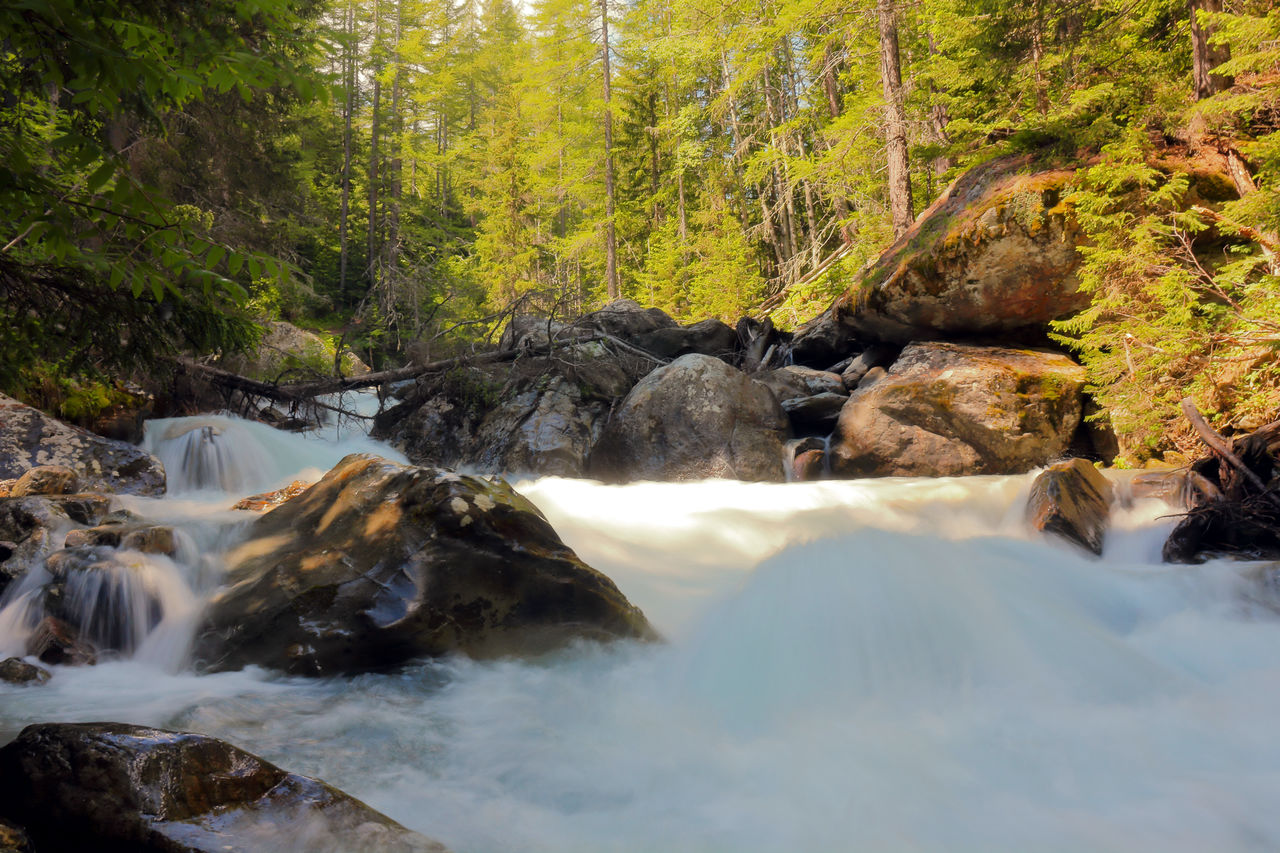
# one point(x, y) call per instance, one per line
point(876, 665)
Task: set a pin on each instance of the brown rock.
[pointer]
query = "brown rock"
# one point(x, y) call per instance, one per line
point(270, 500)
point(379, 563)
point(13, 838)
point(18, 671)
point(948, 410)
point(111, 786)
point(45, 480)
point(1072, 500)
point(55, 642)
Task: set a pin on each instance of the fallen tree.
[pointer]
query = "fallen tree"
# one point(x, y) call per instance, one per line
point(1242, 518)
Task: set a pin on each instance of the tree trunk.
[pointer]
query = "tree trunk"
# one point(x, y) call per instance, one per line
point(1205, 57)
point(348, 106)
point(374, 130)
point(610, 234)
point(900, 205)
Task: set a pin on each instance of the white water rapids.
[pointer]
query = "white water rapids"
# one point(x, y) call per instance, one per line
point(892, 665)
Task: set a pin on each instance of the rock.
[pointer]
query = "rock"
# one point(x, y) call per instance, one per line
point(810, 465)
point(820, 412)
point(758, 339)
point(692, 419)
point(627, 320)
point(285, 350)
point(379, 563)
point(1072, 500)
point(45, 480)
point(995, 253)
point(709, 337)
point(824, 340)
point(541, 415)
point(55, 642)
point(31, 439)
point(527, 331)
point(950, 409)
point(147, 538)
point(876, 355)
point(793, 382)
point(105, 597)
point(33, 528)
point(6, 486)
point(18, 671)
point(871, 377)
point(269, 500)
point(13, 838)
point(112, 786)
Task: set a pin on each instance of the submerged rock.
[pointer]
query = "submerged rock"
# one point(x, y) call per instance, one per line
point(694, 419)
point(1072, 500)
point(112, 786)
point(379, 563)
point(995, 253)
point(948, 410)
point(31, 439)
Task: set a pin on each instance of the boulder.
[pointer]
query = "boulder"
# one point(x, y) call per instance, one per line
point(13, 838)
point(112, 786)
point(709, 337)
point(995, 253)
point(1072, 500)
point(379, 563)
point(285, 350)
point(55, 642)
point(540, 415)
point(692, 419)
point(627, 320)
point(823, 341)
point(951, 409)
point(107, 600)
point(794, 381)
point(269, 500)
point(31, 439)
point(528, 331)
point(32, 528)
point(874, 356)
point(18, 671)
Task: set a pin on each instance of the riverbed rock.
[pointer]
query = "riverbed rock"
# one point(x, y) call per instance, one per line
point(817, 413)
point(994, 254)
point(693, 419)
point(874, 356)
point(113, 786)
point(379, 563)
point(951, 409)
point(1072, 500)
point(45, 480)
point(56, 642)
point(269, 500)
point(823, 341)
point(18, 671)
point(32, 528)
point(31, 439)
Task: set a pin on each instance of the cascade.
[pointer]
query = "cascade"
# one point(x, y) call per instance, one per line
point(860, 665)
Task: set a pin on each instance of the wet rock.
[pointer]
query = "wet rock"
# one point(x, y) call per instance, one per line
point(269, 500)
point(55, 642)
point(32, 528)
point(45, 480)
point(379, 563)
point(995, 253)
point(810, 465)
point(793, 382)
point(18, 671)
point(709, 337)
point(107, 597)
point(147, 538)
point(112, 786)
point(31, 439)
point(948, 410)
point(1072, 500)
point(693, 419)
point(819, 412)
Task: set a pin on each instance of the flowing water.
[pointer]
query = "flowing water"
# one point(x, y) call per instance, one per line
point(891, 665)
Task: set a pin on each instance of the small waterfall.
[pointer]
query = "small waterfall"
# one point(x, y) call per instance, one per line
point(199, 454)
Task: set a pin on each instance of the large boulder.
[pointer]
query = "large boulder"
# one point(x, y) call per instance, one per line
point(694, 419)
point(709, 337)
point(31, 439)
point(540, 415)
point(115, 787)
point(1072, 500)
point(995, 253)
point(627, 320)
point(285, 350)
point(950, 409)
point(793, 382)
point(32, 528)
point(379, 563)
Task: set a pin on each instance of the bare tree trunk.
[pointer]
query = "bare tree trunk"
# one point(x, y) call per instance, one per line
point(1205, 57)
point(349, 83)
point(938, 121)
point(736, 138)
point(374, 130)
point(900, 205)
point(1037, 58)
point(610, 234)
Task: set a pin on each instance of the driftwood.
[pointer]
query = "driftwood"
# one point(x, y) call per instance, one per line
point(1219, 445)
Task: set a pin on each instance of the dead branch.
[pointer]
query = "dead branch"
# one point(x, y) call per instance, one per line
point(1219, 445)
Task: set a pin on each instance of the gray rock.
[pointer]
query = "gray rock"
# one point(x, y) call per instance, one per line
point(709, 337)
point(818, 412)
point(794, 381)
point(18, 671)
point(948, 409)
point(29, 439)
point(876, 355)
point(693, 419)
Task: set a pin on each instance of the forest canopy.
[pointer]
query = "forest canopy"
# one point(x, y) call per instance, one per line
point(394, 171)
